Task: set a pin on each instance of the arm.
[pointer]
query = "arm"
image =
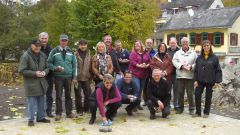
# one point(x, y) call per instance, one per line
point(51, 61)
point(99, 98)
point(135, 89)
point(169, 68)
point(74, 64)
point(218, 72)
point(176, 61)
point(133, 59)
point(150, 94)
point(94, 66)
point(119, 86)
point(46, 70)
point(167, 97)
point(110, 65)
point(117, 98)
point(23, 67)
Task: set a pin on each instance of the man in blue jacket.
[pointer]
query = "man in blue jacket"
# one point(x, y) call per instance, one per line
point(129, 92)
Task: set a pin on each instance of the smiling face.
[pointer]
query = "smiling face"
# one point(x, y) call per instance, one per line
point(83, 47)
point(149, 43)
point(156, 75)
point(206, 47)
point(173, 43)
point(118, 46)
point(63, 43)
point(107, 40)
point(185, 43)
point(101, 48)
point(128, 78)
point(43, 39)
point(162, 48)
point(108, 84)
point(137, 46)
point(36, 48)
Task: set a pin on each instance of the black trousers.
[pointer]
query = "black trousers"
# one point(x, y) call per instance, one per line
point(208, 97)
point(111, 109)
point(145, 96)
point(85, 87)
point(151, 105)
point(131, 105)
point(60, 83)
point(174, 90)
point(49, 97)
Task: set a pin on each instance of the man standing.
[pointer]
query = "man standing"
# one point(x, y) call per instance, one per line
point(122, 55)
point(159, 95)
point(46, 48)
point(84, 77)
point(33, 66)
point(129, 91)
point(171, 51)
point(62, 62)
point(110, 51)
point(184, 61)
point(152, 52)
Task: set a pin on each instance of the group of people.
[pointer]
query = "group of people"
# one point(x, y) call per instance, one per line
point(120, 77)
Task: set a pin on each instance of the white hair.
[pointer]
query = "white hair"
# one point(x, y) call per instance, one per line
point(184, 38)
point(43, 34)
point(173, 39)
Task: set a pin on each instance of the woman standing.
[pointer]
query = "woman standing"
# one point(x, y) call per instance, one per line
point(163, 61)
point(101, 63)
point(206, 74)
point(139, 63)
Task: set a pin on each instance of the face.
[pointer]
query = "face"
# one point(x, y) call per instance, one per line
point(43, 39)
point(83, 47)
point(173, 44)
point(185, 44)
point(63, 43)
point(108, 40)
point(156, 75)
point(137, 46)
point(162, 48)
point(128, 78)
point(101, 48)
point(206, 47)
point(108, 84)
point(149, 43)
point(118, 46)
point(36, 48)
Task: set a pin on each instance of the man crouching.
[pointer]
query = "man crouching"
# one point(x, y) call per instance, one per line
point(159, 95)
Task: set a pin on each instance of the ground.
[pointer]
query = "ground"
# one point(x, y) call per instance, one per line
point(13, 107)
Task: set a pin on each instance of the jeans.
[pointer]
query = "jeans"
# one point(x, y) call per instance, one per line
point(49, 97)
point(140, 84)
point(85, 87)
point(60, 83)
point(208, 98)
point(34, 101)
point(187, 84)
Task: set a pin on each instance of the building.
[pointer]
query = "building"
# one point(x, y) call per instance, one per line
point(22, 2)
point(220, 26)
point(173, 7)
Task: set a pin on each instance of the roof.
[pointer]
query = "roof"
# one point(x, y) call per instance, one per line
point(203, 4)
point(210, 18)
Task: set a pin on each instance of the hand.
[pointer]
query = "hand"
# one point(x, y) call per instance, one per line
point(195, 84)
point(100, 77)
point(106, 103)
point(43, 73)
point(38, 73)
point(59, 69)
point(140, 65)
point(147, 65)
point(74, 81)
point(104, 119)
point(160, 105)
point(129, 96)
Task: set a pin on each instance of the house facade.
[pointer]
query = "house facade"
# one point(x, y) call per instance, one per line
point(220, 26)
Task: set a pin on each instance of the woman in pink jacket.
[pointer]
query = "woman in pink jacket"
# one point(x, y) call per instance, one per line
point(139, 63)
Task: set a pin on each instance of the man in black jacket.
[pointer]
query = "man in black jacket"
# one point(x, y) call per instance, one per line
point(46, 48)
point(159, 95)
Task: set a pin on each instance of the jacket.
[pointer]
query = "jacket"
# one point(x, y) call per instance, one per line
point(69, 63)
point(180, 58)
point(208, 70)
point(34, 86)
point(84, 67)
point(159, 91)
point(124, 54)
point(166, 65)
point(135, 59)
point(47, 51)
point(127, 89)
point(171, 53)
point(95, 65)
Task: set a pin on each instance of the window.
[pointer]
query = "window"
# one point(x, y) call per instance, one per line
point(217, 38)
point(192, 38)
point(204, 36)
point(233, 39)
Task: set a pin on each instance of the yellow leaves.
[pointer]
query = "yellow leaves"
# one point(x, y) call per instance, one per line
point(122, 119)
point(2, 129)
point(172, 125)
point(12, 97)
point(25, 128)
point(78, 120)
point(61, 130)
point(13, 109)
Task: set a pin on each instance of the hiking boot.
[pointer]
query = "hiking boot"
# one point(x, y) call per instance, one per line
point(71, 116)
point(196, 115)
point(44, 120)
point(58, 117)
point(30, 123)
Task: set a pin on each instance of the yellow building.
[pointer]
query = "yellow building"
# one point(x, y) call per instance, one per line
point(220, 26)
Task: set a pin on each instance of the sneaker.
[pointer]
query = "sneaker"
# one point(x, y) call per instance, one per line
point(205, 116)
point(191, 112)
point(80, 114)
point(44, 120)
point(91, 121)
point(144, 104)
point(106, 123)
point(50, 115)
point(58, 118)
point(129, 112)
point(30, 123)
point(71, 116)
point(152, 117)
point(196, 115)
